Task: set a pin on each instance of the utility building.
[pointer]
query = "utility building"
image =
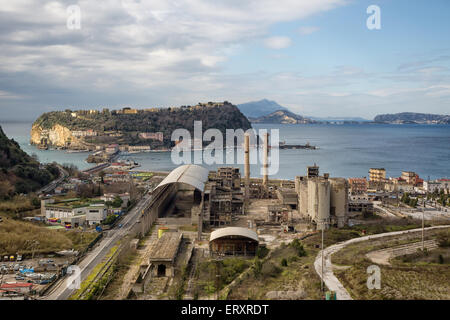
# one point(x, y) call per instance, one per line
point(233, 241)
point(163, 254)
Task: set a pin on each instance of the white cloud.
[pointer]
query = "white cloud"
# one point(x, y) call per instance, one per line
point(277, 42)
point(307, 30)
point(171, 52)
point(143, 44)
point(7, 95)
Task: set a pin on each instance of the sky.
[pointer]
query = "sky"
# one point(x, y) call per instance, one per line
point(317, 58)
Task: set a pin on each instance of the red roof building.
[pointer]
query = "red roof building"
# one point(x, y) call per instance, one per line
point(18, 287)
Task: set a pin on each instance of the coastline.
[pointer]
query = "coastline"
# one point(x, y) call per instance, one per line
point(343, 150)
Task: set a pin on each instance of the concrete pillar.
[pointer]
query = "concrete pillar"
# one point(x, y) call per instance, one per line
point(247, 165)
point(266, 160)
point(200, 218)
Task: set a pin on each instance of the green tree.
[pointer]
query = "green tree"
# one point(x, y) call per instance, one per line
point(405, 198)
point(102, 174)
point(298, 246)
point(117, 202)
point(413, 202)
point(110, 219)
point(35, 202)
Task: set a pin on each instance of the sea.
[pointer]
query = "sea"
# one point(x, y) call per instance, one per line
point(343, 150)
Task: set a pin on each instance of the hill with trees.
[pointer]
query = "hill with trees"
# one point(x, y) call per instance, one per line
point(20, 173)
point(125, 126)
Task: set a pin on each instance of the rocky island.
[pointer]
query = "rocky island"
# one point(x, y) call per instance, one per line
point(131, 130)
point(412, 118)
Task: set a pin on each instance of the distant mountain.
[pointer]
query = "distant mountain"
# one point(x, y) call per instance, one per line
point(281, 116)
point(411, 117)
point(260, 108)
point(340, 119)
point(20, 173)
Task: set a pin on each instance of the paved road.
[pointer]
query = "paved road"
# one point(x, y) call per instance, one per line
point(377, 205)
point(98, 167)
point(383, 256)
point(52, 185)
point(61, 291)
point(330, 279)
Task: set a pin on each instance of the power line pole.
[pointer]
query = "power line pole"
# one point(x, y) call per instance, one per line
point(321, 283)
point(217, 280)
point(423, 227)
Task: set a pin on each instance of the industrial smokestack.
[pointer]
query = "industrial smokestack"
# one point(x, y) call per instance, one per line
point(266, 160)
point(247, 164)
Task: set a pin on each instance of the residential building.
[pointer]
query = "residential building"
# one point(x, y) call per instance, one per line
point(111, 196)
point(398, 185)
point(15, 288)
point(357, 185)
point(437, 185)
point(377, 174)
point(410, 177)
point(112, 148)
point(127, 111)
point(431, 186)
point(138, 148)
point(84, 133)
point(152, 135)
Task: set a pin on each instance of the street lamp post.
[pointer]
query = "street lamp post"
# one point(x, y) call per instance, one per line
point(423, 227)
point(321, 283)
point(322, 225)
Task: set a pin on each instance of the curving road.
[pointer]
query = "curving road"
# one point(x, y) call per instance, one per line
point(330, 279)
point(52, 185)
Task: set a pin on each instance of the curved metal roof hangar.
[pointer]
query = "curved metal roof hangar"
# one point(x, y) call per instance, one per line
point(190, 174)
point(233, 231)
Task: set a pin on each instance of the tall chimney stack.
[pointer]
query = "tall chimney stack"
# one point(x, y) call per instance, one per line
point(247, 164)
point(266, 160)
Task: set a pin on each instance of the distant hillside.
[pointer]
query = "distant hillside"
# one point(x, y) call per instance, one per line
point(283, 117)
point(19, 173)
point(340, 119)
point(411, 117)
point(260, 108)
point(87, 128)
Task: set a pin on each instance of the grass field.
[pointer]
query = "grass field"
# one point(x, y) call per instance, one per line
point(415, 276)
point(19, 206)
point(283, 272)
point(299, 274)
point(18, 236)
